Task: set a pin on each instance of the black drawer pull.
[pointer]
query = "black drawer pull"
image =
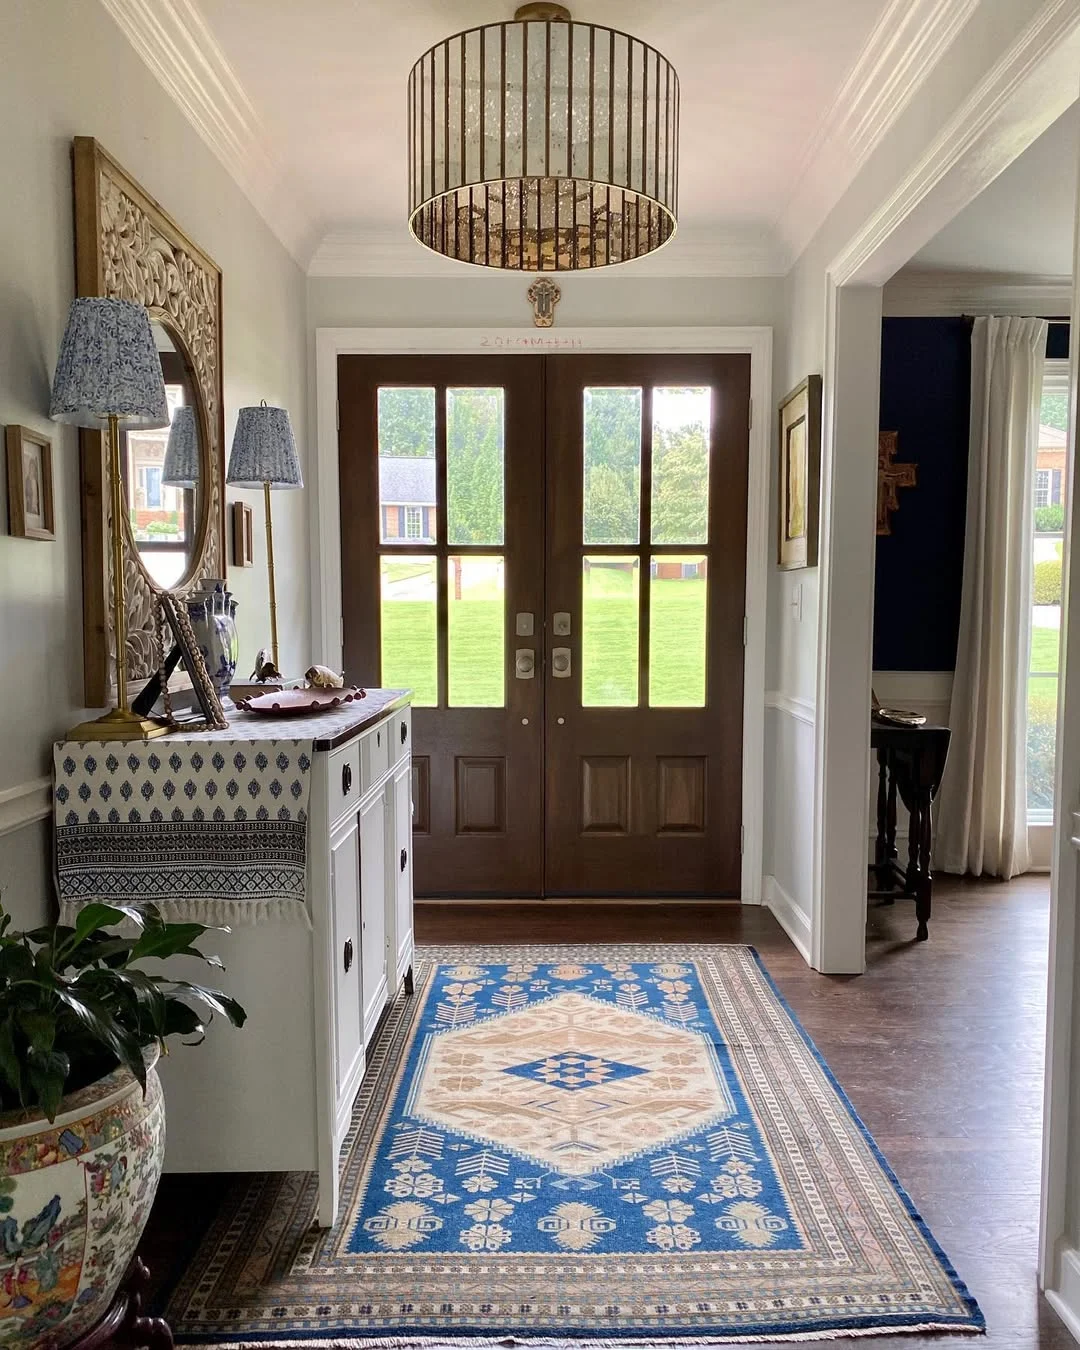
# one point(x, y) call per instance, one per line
point(346, 779)
point(348, 955)
point(404, 732)
point(404, 858)
point(378, 738)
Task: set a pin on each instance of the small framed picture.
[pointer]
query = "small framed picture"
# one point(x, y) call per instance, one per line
point(800, 472)
point(30, 484)
point(243, 538)
point(178, 625)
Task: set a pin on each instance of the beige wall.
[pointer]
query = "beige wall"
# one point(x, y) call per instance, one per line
point(68, 70)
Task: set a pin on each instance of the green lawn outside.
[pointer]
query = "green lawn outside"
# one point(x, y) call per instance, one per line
point(476, 655)
point(1044, 648)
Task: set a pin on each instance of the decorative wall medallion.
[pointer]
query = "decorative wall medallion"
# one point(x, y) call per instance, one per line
point(890, 477)
point(544, 295)
point(127, 247)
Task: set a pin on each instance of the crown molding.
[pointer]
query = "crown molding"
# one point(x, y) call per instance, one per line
point(929, 294)
point(394, 252)
point(180, 50)
point(1025, 91)
point(905, 45)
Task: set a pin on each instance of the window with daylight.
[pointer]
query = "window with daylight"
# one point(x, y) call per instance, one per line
point(1049, 541)
point(414, 522)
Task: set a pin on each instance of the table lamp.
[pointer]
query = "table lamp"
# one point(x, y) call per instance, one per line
point(181, 466)
point(264, 455)
point(109, 372)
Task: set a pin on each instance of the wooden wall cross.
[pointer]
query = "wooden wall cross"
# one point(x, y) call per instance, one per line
point(890, 477)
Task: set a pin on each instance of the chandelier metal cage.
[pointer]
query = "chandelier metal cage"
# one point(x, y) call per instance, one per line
point(543, 145)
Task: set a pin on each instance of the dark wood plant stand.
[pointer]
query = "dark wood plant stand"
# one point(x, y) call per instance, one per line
point(125, 1324)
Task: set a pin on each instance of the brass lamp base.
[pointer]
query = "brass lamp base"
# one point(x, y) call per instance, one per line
point(121, 724)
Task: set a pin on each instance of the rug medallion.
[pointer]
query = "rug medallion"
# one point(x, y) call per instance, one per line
point(627, 1143)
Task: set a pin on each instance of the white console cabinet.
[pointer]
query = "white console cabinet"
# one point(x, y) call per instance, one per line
point(277, 1095)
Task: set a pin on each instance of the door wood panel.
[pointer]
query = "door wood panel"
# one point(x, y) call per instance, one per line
point(646, 800)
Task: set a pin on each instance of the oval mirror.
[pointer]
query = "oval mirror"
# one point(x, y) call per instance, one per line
point(162, 471)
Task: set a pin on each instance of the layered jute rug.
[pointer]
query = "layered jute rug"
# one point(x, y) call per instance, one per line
point(631, 1144)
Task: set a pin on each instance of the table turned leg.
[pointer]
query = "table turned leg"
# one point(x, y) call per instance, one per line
point(925, 883)
point(881, 855)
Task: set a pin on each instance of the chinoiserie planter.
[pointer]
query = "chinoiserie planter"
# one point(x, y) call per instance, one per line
point(74, 1199)
point(212, 612)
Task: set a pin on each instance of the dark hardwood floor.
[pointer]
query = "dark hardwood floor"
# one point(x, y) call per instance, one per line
point(939, 1046)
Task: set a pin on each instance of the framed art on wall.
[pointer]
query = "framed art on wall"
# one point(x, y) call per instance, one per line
point(800, 470)
point(243, 535)
point(30, 485)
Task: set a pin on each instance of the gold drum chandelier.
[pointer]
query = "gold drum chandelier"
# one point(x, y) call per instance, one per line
point(543, 145)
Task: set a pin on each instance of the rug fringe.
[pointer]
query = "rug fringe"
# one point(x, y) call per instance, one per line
point(581, 1343)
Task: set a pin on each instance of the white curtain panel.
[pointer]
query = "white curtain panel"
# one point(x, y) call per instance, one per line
point(982, 812)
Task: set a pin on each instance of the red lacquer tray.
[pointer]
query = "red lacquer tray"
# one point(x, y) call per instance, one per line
point(295, 702)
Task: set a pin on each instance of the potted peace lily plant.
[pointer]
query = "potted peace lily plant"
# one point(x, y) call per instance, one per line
point(84, 1013)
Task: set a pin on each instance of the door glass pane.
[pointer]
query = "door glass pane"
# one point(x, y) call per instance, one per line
point(612, 456)
point(474, 466)
point(609, 632)
point(677, 610)
point(409, 633)
point(680, 465)
point(475, 587)
point(1041, 742)
point(407, 490)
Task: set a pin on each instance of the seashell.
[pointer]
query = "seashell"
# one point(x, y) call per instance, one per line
point(322, 677)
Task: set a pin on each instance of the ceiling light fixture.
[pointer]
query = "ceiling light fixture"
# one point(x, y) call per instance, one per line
point(543, 145)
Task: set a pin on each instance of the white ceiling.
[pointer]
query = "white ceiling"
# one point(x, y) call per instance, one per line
point(1023, 222)
point(782, 102)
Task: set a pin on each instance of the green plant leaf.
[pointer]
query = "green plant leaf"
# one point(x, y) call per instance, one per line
point(182, 1020)
point(215, 1000)
point(10, 1064)
point(105, 1029)
point(39, 1028)
point(47, 1071)
point(167, 939)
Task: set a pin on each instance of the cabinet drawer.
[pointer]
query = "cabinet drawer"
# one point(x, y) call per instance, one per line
point(374, 754)
point(401, 735)
point(345, 787)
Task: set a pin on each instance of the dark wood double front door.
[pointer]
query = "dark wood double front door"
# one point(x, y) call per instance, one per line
point(550, 552)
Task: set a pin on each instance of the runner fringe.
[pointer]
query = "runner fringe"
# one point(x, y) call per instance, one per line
point(213, 913)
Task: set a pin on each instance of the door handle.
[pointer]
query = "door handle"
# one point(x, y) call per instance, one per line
point(404, 858)
point(524, 663)
point(347, 955)
point(346, 779)
point(560, 662)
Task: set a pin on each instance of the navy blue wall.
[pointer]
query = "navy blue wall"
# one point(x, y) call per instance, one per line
point(925, 391)
point(925, 396)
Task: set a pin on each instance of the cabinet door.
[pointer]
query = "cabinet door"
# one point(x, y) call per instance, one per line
point(345, 901)
point(399, 893)
point(373, 910)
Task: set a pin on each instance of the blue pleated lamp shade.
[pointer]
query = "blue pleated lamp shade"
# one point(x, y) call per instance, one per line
point(108, 364)
point(181, 467)
point(263, 450)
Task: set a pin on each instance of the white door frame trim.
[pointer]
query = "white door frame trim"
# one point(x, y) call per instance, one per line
point(330, 343)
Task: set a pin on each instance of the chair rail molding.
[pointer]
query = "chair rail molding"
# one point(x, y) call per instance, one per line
point(182, 53)
point(24, 803)
point(905, 45)
point(324, 499)
point(801, 709)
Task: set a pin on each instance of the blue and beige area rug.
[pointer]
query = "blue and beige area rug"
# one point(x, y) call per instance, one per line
point(630, 1144)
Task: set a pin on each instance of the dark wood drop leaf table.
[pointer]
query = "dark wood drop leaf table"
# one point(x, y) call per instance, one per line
point(911, 761)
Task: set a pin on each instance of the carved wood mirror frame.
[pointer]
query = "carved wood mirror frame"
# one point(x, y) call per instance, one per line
point(127, 247)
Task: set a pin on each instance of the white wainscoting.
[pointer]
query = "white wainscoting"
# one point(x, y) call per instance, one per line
point(24, 803)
